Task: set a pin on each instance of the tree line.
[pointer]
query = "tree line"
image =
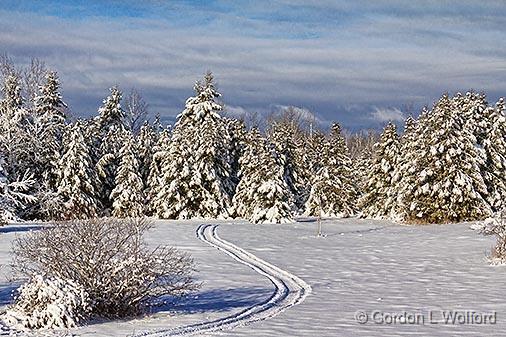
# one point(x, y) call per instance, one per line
point(448, 165)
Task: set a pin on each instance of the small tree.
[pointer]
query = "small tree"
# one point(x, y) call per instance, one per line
point(333, 191)
point(379, 197)
point(50, 120)
point(111, 114)
point(496, 226)
point(128, 194)
point(77, 177)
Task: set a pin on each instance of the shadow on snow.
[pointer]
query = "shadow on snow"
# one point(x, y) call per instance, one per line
point(215, 300)
point(6, 291)
point(19, 228)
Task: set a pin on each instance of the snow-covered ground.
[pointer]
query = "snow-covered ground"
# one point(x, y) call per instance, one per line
point(373, 266)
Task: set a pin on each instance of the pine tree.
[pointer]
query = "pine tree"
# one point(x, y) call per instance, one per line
point(262, 195)
point(289, 151)
point(404, 177)
point(447, 185)
point(333, 190)
point(77, 177)
point(237, 132)
point(379, 198)
point(13, 136)
point(108, 163)
point(494, 145)
point(196, 182)
point(160, 158)
point(128, 193)
point(146, 142)
point(50, 124)
point(111, 114)
point(13, 195)
point(315, 146)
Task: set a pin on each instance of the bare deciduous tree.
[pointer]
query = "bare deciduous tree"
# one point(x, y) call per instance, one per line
point(33, 77)
point(7, 67)
point(136, 110)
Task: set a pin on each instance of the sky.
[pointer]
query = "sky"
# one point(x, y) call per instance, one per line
point(362, 63)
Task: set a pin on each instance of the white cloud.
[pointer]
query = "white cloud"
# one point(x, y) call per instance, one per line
point(387, 115)
point(368, 60)
point(235, 111)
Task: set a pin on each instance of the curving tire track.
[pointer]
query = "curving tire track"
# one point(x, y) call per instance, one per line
point(289, 290)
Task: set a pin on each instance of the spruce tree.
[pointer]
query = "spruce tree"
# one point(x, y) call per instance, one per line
point(447, 185)
point(196, 181)
point(160, 158)
point(404, 177)
point(77, 177)
point(14, 195)
point(333, 190)
point(289, 151)
point(262, 195)
point(494, 145)
point(128, 194)
point(109, 161)
point(13, 135)
point(146, 142)
point(111, 114)
point(379, 198)
point(50, 117)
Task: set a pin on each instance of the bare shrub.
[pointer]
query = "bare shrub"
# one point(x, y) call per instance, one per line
point(497, 227)
point(110, 260)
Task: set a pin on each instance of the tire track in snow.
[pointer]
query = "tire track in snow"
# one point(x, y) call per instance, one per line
point(289, 290)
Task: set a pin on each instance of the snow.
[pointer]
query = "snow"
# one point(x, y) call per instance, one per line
point(359, 265)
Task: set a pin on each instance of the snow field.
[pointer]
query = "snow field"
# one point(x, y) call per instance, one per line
point(364, 265)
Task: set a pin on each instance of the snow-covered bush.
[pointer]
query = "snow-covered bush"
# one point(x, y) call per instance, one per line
point(495, 226)
point(110, 260)
point(46, 303)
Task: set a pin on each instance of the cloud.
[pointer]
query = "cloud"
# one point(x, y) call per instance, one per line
point(235, 111)
point(383, 115)
point(336, 58)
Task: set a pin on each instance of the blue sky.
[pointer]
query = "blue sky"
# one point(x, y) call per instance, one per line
point(358, 62)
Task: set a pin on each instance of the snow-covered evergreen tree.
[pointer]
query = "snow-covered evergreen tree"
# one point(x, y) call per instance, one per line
point(160, 159)
point(13, 195)
point(77, 177)
point(262, 195)
point(196, 182)
point(237, 132)
point(13, 136)
point(111, 114)
point(314, 150)
point(289, 149)
point(447, 185)
point(471, 107)
point(108, 163)
point(379, 198)
point(333, 190)
point(146, 142)
point(494, 145)
point(50, 124)
point(128, 194)
point(404, 177)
